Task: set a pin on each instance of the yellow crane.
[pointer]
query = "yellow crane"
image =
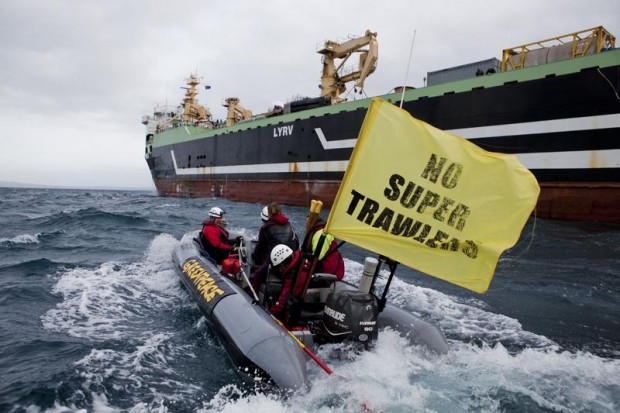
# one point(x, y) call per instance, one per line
point(334, 78)
point(236, 112)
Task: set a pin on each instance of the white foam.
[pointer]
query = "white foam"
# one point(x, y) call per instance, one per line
point(232, 399)
point(112, 301)
point(395, 377)
point(454, 316)
point(108, 302)
point(22, 239)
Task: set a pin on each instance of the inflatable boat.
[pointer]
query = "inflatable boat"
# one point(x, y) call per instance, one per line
point(261, 347)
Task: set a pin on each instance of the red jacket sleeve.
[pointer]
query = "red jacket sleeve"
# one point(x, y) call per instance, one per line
point(281, 303)
point(213, 236)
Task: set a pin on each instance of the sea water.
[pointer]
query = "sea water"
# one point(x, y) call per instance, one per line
point(93, 318)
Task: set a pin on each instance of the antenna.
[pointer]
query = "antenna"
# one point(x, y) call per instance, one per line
point(402, 96)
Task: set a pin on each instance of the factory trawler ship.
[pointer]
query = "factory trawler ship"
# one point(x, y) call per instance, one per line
point(553, 103)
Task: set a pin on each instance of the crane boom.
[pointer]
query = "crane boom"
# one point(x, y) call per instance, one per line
point(236, 112)
point(333, 78)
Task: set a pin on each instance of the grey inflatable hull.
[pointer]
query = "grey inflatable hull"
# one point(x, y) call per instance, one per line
point(258, 347)
point(256, 344)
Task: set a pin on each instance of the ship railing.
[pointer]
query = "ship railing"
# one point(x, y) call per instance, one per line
point(568, 46)
point(180, 124)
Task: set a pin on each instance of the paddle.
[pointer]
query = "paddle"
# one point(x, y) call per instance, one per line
point(313, 217)
point(241, 265)
point(306, 247)
point(290, 333)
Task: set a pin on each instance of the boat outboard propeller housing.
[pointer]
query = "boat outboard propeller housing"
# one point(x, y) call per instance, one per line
point(351, 315)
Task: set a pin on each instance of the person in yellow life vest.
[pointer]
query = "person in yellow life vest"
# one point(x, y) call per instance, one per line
point(329, 259)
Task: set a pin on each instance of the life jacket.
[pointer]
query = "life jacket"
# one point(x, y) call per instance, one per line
point(288, 277)
point(330, 260)
point(329, 239)
point(217, 252)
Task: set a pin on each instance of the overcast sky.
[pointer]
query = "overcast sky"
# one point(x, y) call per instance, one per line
point(76, 76)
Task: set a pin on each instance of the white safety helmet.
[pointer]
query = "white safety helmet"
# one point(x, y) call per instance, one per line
point(216, 212)
point(264, 214)
point(279, 254)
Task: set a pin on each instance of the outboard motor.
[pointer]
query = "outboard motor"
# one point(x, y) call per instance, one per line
point(351, 315)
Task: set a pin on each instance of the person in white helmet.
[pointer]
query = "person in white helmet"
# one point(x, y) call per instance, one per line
point(215, 238)
point(284, 264)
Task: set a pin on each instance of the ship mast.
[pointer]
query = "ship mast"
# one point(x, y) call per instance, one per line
point(193, 112)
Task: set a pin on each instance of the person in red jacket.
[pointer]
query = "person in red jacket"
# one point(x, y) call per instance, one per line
point(329, 258)
point(215, 238)
point(284, 263)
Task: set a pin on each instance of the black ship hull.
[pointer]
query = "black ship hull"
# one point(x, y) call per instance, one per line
point(561, 120)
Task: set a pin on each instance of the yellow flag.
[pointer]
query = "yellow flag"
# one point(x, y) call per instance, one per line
point(430, 199)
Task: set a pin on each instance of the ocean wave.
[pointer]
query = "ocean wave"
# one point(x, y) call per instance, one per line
point(396, 377)
point(38, 265)
point(91, 217)
point(112, 300)
point(493, 362)
point(459, 319)
point(143, 341)
point(21, 239)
